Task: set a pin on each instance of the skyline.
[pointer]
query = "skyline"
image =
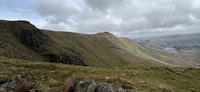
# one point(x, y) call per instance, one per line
point(125, 18)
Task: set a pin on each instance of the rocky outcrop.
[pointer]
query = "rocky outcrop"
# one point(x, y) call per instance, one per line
point(72, 59)
point(35, 40)
point(30, 36)
point(17, 85)
point(72, 85)
point(21, 84)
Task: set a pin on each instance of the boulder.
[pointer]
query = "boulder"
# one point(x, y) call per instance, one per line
point(17, 85)
point(86, 86)
point(71, 85)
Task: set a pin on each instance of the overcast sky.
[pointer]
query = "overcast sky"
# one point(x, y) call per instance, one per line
point(126, 18)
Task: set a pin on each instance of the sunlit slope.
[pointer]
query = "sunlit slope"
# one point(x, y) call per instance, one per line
point(22, 40)
point(104, 49)
point(170, 57)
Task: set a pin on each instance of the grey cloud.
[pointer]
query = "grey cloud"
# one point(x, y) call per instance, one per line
point(61, 8)
point(103, 5)
point(57, 11)
point(121, 16)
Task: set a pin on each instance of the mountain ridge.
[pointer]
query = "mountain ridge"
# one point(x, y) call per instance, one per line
point(98, 50)
point(179, 40)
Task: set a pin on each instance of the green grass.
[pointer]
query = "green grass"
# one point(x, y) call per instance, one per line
point(98, 50)
point(10, 47)
point(170, 57)
point(141, 79)
point(104, 50)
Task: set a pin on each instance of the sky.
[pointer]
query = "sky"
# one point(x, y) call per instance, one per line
point(124, 18)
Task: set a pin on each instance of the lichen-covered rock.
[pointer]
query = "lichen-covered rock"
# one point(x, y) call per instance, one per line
point(17, 85)
point(86, 86)
point(91, 86)
point(106, 87)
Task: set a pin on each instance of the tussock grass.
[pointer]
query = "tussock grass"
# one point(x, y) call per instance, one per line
point(141, 79)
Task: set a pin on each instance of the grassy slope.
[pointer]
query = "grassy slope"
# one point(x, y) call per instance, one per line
point(192, 55)
point(167, 56)
point(141, 79)
point(187, 57)
point(11, 48)
point(188, 46)
point(104, 50)
point(99, 50)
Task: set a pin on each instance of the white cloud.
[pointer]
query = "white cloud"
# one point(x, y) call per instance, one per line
point(120, 17)
point(196, 4)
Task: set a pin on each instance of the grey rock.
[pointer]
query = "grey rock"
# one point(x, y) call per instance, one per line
point(105, 87)
point(86, 86)
point(17, 85)
point(91, 86)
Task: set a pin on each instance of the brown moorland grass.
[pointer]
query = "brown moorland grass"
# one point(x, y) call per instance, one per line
point(140, 79)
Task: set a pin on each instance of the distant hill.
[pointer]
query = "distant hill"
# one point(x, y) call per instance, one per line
point(22, 40)
point(187, 45)
point(176, 41)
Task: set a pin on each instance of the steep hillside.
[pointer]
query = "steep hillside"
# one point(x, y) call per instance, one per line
point(104, 49)
point(22, 40)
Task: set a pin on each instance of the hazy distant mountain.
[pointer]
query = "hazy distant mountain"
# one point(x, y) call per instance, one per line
point(187, 45)
point(176, 41)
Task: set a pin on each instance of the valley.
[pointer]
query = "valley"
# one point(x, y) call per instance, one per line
point(186, 45)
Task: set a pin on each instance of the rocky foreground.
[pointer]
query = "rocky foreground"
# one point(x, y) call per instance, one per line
point(72, 85)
